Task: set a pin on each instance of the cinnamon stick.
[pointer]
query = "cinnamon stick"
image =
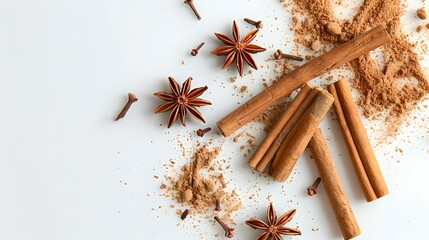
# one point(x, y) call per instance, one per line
point(361, 140)
point(354, 155)
point(284, 134)
point(333, 187)
point(336, 57)
point(277, 128)
point(289, 152)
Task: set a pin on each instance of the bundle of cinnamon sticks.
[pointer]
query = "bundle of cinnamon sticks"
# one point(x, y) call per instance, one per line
point(298, 127)
point(289, 137)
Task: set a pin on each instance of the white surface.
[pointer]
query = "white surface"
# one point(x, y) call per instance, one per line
point(65, 70)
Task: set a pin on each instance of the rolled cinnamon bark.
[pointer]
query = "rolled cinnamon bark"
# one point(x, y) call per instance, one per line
point(289, 130)
point(278, 126)
point(333, 187)
point(289, 152)
point(336, 57)
point(286, 134)
point(305, 101)
point(361, 140)
point(354, 155)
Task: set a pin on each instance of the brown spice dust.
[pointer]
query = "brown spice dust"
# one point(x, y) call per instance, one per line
point(395, 84)
point(198, 185)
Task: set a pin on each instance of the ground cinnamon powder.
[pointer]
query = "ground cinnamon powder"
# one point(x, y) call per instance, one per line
point(201, 182)
point(392, 81)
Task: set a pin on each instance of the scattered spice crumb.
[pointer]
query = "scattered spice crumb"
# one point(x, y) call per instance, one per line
point(243, 89)
point(235, 139)
point(421, 13)
point(315, 45)
point(186, 195)
point(333, 28)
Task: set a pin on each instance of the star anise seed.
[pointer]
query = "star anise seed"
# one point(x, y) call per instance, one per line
point(274, 227)
point(237, 50)
point(180, 102)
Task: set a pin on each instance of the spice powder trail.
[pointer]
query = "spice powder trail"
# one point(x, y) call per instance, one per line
point(399, 85)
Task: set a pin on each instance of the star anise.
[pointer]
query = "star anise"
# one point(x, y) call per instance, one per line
point(237, 50)
point(180, 102)
point(275, 226)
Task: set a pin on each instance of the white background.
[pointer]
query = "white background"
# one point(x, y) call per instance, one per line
point(65, 70)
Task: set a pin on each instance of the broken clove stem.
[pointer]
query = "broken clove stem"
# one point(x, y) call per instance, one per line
point(184, 214)
point(217, 205)
point(132, 98)
point(191, 4)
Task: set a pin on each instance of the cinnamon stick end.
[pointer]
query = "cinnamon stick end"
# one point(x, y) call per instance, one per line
point(219, 125)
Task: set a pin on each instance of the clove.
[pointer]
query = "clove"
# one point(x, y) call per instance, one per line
point(229, 232)
point(257, 24)
point(311, 190)
point(279, 54)
point(194, 51)
point(200, 132)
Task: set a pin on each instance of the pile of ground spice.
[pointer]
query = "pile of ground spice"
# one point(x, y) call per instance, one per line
point(392, 80)
point(200, 183)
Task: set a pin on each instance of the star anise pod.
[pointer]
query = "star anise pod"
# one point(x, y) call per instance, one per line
point(180, 102)
point(237, 50)
point(275, 226)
